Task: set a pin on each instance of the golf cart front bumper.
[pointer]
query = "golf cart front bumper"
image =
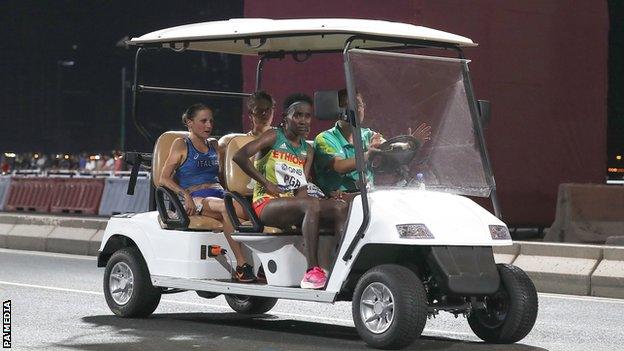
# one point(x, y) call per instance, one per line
point(464, 270)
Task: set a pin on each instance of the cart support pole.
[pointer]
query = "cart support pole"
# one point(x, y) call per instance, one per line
point(359, 152)
point(135, 92)
point(259, 69)
point(476, 120)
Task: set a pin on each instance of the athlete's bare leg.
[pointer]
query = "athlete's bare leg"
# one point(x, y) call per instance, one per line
point(215, 208)
point(335, 212)
point(285, 212)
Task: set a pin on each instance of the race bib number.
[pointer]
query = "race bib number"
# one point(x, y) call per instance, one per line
point(289, 178)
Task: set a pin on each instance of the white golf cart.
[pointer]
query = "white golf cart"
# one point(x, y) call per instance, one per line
point(414, 245)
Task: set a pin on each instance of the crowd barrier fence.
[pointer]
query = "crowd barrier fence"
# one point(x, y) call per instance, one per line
point(30, 194)
point(77, 195)
point(115, 199)
point(5, 183)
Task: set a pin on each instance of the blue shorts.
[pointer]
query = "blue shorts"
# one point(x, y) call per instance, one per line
point(208, 193)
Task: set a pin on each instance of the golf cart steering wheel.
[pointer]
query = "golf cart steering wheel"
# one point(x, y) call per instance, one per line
point(394, 153)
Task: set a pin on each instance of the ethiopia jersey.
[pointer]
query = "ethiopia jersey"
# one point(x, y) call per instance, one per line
point(283, 165)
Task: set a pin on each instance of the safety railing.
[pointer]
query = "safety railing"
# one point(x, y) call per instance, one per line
point(99, 193)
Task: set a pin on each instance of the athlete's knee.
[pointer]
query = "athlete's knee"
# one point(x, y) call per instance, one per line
point(312, 205)
point(215, 204)
point(341, 206)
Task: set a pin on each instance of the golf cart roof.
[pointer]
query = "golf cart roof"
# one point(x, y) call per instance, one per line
point(254, 36)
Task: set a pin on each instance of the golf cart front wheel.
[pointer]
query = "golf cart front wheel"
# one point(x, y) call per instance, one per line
point(389, 307)
point(510, 313)
point(127, 287)
point(250, 304)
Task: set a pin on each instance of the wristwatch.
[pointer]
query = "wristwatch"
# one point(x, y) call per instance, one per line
point(199, 208)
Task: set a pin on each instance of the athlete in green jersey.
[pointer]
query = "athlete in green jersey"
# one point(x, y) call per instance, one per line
point(284, 160)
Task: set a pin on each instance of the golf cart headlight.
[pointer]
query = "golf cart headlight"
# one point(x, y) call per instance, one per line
point(499, 232)
point(414, 231)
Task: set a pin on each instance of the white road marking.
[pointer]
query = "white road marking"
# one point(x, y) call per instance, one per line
point(51, 288)
point(582, 298)
point(546, 295)
point(296, 315)
point(49, 254)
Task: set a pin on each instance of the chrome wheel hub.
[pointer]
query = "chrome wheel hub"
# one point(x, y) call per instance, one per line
point(121, 283)
point(377, 307)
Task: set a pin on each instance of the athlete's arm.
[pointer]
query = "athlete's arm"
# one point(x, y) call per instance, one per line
point(342, 165)
point(346, 165)
point(307, 168)
point(177, 155)
point(221, 154)
point(264, 142)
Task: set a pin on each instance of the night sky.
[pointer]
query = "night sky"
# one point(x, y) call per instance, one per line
point(615, 131)
point(61, 73)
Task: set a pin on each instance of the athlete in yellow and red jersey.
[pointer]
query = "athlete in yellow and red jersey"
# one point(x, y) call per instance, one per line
point(283, 166)
point(280, 194)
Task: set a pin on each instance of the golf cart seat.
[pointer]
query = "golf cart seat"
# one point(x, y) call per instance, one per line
point(240, 186)
point(178, 219)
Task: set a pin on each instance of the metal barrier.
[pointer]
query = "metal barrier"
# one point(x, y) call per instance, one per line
point(588, 213)
point(27, 173)
point(64, 173)
point(116, 201)
point(30, 194)
point(5, 183)
point(76, 195)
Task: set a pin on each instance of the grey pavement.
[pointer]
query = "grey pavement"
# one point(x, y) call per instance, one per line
point(554, 267)
point(58, 304)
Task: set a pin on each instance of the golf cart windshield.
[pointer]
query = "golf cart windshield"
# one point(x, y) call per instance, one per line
point(398, 92)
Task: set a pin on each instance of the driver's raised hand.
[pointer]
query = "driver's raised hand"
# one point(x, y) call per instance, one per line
point(376, 140)
point(422, 133)
point(372, 151)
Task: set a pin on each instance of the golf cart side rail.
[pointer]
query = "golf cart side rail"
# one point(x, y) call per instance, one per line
point(184, 91)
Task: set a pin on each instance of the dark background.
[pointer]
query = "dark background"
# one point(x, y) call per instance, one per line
point(615, 130)
point(544, 65)
point(61, 72)
point(554, 71)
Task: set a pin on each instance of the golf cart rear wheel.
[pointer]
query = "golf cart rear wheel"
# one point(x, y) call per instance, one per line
point(510, 312)
point(389, 307)
point(250, 304)
point(127, 286)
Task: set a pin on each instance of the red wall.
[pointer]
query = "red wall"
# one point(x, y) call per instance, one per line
point(542, 64)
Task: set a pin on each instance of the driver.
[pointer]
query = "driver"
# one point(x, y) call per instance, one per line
point(334, 153)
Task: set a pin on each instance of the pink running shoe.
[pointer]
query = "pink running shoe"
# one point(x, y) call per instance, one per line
point(314, 278)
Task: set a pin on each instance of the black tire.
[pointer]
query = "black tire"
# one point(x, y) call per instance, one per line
point(511, 311)
point(207, 294)
point(250, 304)
point(144, 297)
point(409, 311)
